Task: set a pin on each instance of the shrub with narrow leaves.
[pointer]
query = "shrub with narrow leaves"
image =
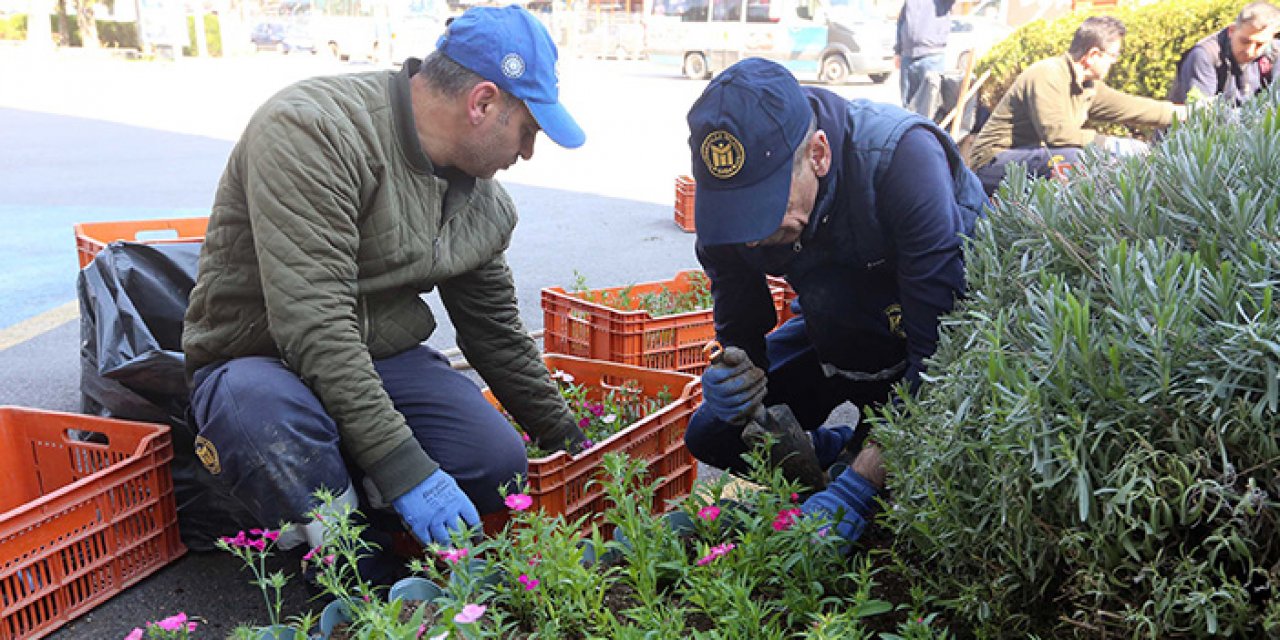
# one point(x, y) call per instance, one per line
point(1098, 454)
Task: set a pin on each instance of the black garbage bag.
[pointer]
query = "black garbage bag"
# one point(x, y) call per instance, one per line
point(132, 300)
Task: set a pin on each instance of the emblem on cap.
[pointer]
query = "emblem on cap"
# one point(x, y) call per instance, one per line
point(722, 154)
point(512, 65)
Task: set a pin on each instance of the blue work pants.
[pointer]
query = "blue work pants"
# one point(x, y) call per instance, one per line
point(276, 445)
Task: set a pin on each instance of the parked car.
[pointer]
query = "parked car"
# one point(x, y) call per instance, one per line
point(282, 37)
point(976, 32)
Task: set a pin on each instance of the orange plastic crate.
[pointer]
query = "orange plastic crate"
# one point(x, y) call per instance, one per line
point(685, 187)
point(92, 237)
point(562, 484)
point(79, 521)
point(575, 326)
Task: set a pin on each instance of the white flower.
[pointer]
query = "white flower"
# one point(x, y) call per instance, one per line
point(609, 419)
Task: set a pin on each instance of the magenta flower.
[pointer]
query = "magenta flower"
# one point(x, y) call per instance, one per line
point(453, 555)
point(596, 410)
point(136, 634)
point(271, 535)
point(529, 583)
point(525, 437)
point(177, 622)
point(587, 444)
point(311, 554)
point(328, 559)
point(709, 512)
point(584, 423)
point(469, 614)
point(786, 519)
point(518, 502)
point(795, 497)
point(716, 552)
point(241, 540)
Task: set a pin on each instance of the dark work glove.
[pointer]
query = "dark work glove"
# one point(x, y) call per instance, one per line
point(565, 437)
point(733, 389)
point(434, 507)
point(850, 498)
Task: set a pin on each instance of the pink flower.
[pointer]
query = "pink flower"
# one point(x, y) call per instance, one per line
point(271, 535)
point(177, 622)
point(709, 512)
point(716, 552)
point(311, 554)
point(469, 614)
point(239, 541)
point(518, 502)
point(785, 519)
point(795, 497)
point(525, 437)
point(136, 634)
point(584, 423)
point(453, 555)
point(328, 559)
point(259, 544)
point(529, 583)
point(596, 410)
point(256, 532)
point(535, 560)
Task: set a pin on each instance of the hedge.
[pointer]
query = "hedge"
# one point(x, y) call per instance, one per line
point(1096, 454)
point(1158, 34)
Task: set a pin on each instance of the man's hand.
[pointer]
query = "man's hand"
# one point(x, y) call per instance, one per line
point(434, 507)
point(566, 437)
point(733, 389)
point(850, 499)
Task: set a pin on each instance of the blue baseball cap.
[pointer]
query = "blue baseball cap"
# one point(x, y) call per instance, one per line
point(510, 48)
point(743, 132)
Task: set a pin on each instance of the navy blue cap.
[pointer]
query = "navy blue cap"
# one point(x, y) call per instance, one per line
point(743, 132)
point(510, 48)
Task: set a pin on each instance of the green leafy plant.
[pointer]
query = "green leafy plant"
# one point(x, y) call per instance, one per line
point(663, 301)
point(1096, 454)
point(600, 413)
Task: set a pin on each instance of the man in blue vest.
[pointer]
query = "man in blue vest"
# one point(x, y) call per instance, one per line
point(863, 207)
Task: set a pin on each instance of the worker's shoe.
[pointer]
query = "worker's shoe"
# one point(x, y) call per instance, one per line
point(792, 449)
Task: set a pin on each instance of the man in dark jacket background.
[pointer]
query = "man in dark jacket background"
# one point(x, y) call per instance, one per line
point(921, 44)
point(863, 207)
point(347, 198)
point(1227, 63)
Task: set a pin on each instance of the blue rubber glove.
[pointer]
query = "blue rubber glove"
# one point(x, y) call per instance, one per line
point(733, 389)
point(850, 498)
point(434, 507)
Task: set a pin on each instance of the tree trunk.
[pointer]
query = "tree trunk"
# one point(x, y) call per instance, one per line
point(88, 25)
point(64, 32)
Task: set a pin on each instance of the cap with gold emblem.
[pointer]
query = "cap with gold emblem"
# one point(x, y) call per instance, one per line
point(743, 132)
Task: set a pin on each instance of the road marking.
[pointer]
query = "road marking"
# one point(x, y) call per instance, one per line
point(32, 327)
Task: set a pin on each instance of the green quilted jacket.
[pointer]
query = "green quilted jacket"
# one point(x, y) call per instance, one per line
point(328, 224)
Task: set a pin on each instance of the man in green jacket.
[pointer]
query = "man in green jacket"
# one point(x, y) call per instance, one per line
point(1040, 121)
point(345, 199)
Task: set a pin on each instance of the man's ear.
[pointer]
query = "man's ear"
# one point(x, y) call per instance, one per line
point(480, 100)
point(820, 153)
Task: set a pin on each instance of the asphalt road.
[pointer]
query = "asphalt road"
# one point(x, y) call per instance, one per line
point(91, 138)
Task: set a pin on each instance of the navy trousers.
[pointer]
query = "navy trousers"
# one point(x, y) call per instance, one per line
point(796, 379)
point(276, 444)
point(1038, 160)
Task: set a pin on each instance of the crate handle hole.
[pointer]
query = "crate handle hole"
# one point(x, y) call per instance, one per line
point(155, 235)
point(80, 435)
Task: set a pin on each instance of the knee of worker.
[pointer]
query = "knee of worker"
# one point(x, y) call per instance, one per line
point(498, 465)
point(716, 443)
point(265, 437)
